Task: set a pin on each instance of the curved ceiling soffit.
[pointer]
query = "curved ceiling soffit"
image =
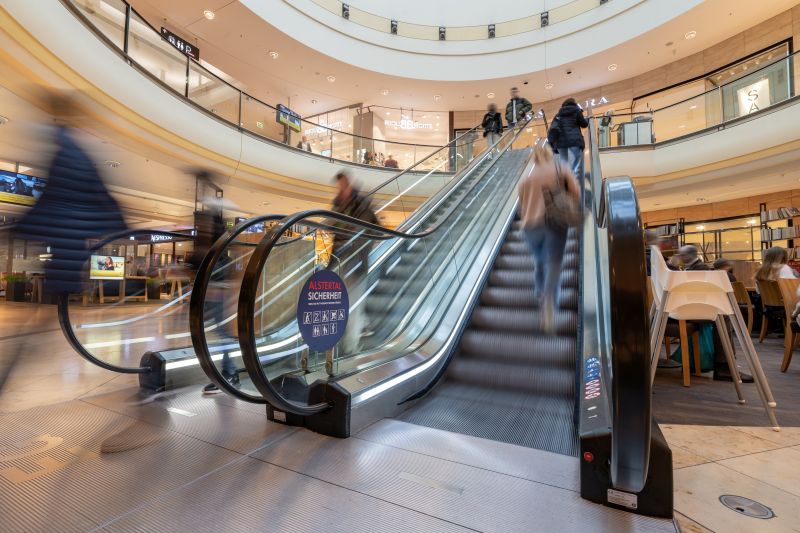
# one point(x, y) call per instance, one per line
point(182, 149)
point(526, 53)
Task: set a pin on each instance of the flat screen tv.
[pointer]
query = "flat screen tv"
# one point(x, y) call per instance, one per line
point(288, 117)
point(20, 189)
point(108, 267)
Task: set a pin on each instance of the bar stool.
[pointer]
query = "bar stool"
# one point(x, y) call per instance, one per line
point(707, 296)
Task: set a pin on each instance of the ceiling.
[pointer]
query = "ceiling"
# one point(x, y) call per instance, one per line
point(237, 42)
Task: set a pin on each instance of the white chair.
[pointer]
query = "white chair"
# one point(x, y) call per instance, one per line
point(704, 295)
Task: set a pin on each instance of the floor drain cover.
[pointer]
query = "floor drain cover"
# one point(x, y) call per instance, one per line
point(746, 506)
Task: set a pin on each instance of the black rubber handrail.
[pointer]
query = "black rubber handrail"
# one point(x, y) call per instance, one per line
point(631, 389)
point(252, 278)
point(63, 306)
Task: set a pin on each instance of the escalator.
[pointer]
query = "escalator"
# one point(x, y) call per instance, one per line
point(505, 362)
point(453, 340)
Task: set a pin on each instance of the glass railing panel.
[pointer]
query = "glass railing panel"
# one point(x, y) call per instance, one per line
point(213, 94)
point(695, 114)
point(108, 16)
point(261, 119)
point(155, 55)
point(767, 86)
point(133, 303)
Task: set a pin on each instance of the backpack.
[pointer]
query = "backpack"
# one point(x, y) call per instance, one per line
point(555, 132)
point(561, 211)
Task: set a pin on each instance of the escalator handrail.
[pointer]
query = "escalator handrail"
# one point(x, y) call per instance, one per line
point(252, 277)
point(618, 212)
point(65, 323)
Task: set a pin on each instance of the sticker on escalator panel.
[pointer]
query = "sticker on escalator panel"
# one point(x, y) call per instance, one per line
point(591, 386)
point(322, 310)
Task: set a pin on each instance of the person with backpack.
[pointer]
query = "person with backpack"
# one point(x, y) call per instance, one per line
point(549, 203)
point(566, 137)
point(492, 125)
point(517, 108)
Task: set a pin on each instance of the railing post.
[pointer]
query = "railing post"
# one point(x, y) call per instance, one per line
point(186, 87)
point(127, 28)
point(241, 123)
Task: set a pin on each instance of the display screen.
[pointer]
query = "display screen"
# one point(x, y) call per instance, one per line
point(288, 117)
point(20, 188)
point(107, 267)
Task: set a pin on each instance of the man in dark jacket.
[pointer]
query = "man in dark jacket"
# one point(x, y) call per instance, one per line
point(492, 125)
point(566, 137)
point(346, 247)
point(517, 108)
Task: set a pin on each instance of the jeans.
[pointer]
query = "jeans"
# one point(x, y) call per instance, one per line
point(573, 157)
point(547, 247)
point(491, 138)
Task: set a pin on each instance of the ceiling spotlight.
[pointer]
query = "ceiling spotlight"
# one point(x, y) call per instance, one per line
point(112, 164)
point(548, 85)
point(331, 79)
point(693, 107)
point(690, 35)
point(393, 27)
point(489, 95)
point(209, 14)
point(491, 31)
point(437, 97)
point(3, 120)
point(545, 19)
point(385, 92)
point(388, 112)
point(442, 33)
point(612, 67)
point(313, 101)
point(682, 126)
point(345, 11)
point(273, 54)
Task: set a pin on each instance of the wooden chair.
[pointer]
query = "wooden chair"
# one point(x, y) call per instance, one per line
point(772, 304)
point(788, 288)
point(743, 299)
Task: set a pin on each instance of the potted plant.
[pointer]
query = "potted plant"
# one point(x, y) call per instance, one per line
point(153, 288)
point(15, 287)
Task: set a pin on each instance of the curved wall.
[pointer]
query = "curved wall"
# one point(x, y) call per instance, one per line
point(136, 107)
point(595, 30)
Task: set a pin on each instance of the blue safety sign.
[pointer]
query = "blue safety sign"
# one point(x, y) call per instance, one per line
point(322, 310)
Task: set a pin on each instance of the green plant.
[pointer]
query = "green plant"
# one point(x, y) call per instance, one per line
point(15, 278)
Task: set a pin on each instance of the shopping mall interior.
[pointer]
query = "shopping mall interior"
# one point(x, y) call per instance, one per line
point(295, 265)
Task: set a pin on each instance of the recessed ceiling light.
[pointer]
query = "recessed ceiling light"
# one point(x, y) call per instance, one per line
point(273, 54)
point(437, 97)
point(331, 79)
point(209, 14)
point(682, 126)
point(548, 85)
point(3, 120)
point(693, 107)
point(690, 35)
point(612, 67)
point(490, 95)
point(388, 113)
point(112, 164)
point(701, 227)
point(385, 92)
point(313, 101)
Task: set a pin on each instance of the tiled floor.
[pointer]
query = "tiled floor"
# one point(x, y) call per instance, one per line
point(709, 460)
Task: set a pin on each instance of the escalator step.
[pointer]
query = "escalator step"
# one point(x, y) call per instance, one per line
point(523, 297)
point(520, 320)
point(552, 381)
point(524, 278)
point(531, 348)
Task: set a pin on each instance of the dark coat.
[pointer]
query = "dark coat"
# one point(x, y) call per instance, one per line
point(523, 108)
point(492, 123)
point(74, 207)
point(565, 132)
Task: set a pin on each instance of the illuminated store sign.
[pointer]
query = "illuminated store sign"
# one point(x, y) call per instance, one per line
point(593, 102)
point(323, 128)
point(160, 238)
point(753, 97)
point(407, 124)
point(181, 45)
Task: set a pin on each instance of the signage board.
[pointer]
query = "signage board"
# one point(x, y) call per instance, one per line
point(110, 267)
point(20, 189)
point(323, 310)
point(287, 117)
point(753, 97)
point(406, 123)
point(180, 44)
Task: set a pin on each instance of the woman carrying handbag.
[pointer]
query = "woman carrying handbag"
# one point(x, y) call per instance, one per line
point(549, 204)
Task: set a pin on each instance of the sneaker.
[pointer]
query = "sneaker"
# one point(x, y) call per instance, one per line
point(211, 389)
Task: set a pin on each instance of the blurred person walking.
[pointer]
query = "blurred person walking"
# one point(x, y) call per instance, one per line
point(517, 108)
point(545, 195)
point(304, 144)
point(390, 162)
point(492, 125)
point(566, 137)
point(346, 247)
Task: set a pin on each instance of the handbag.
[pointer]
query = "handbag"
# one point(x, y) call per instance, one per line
point(561, 210)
